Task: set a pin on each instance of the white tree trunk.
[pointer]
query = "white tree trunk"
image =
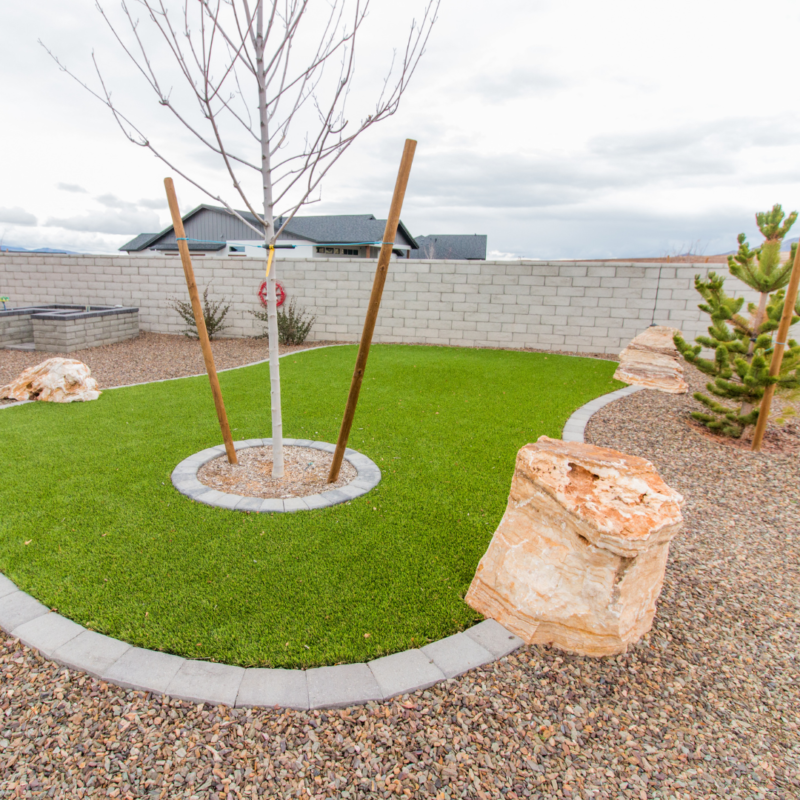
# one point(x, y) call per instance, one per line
point(274, 375)
point(269, 235)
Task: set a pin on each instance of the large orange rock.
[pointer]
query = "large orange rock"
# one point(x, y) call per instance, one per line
point(652, 360)
point(57, 380)
point(578, 559)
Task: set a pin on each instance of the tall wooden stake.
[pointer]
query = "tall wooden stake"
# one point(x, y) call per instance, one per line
point(205, 344)
point(381, 271)
point(777, 353)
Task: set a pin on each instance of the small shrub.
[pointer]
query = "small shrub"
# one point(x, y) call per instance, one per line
point(293, 325)
point(213, 312)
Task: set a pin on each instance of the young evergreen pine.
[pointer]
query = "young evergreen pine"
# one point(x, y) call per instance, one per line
point(743, 345)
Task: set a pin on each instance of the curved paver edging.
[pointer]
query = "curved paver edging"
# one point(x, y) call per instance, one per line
point(184, 479)
point(575, 429)
point(117, 662)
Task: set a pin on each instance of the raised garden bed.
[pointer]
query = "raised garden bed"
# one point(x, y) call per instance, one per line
point(61, 328)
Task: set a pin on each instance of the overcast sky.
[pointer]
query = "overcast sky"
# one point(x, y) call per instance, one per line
point(560, 129)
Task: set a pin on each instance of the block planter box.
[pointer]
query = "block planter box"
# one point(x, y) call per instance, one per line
point(66, 328)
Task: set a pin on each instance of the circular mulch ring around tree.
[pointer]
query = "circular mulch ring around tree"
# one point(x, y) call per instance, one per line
point(358, 476)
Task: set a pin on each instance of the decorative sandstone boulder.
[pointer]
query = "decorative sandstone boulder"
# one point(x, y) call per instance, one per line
point(57, 380)
point(651, 360)
point(578, 559)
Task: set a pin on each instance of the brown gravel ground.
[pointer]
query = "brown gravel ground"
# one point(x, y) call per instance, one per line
point(305, 472)
point(149, 357)
point(705, 706)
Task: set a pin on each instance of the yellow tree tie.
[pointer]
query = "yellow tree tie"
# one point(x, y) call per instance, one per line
point(269, 260)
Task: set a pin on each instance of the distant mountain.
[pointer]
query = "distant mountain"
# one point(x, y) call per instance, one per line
point(787, 244)
point(12, 249)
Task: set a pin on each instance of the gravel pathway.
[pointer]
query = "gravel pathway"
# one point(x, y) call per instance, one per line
point(705, 706)
point(149, 357)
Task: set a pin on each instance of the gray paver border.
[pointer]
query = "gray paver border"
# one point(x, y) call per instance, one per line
point(393, 675)
point(184, 479)
point(575, 429)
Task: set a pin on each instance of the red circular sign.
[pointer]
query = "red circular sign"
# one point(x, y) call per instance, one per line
point(280, 294)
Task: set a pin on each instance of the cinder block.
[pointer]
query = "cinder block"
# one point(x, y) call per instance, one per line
point(457, 654)
point(144, 670)
point(17, 608)
point(48, 632)
point(266, 688)
point(342, 685)
point(206, 682)
point(90, 652)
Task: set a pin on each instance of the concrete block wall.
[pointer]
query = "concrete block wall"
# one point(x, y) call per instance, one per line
point(66, 336)
point(573, 306)
point(15, 329)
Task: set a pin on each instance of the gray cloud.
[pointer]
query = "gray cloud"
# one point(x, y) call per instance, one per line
point(525, 81)
point(16, 216)
point(72, 187)
point(731, 135)
point(112, 221)
point(112, 201)
point(155, 204)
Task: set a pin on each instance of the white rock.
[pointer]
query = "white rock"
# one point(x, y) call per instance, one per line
point(578, 559)
point(57, 380)
point(652, 360)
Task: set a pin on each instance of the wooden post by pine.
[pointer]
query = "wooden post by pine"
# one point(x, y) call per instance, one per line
point(777, 353)
point(205, 344)
point(381, 271)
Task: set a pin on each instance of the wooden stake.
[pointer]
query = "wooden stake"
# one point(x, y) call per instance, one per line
point(381, 271)
point(777, 353)
point(205, 344)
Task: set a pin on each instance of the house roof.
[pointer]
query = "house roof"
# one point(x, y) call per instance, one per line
point(331, 228)
point(140, 242)
point(451, 246)
point(201, 247)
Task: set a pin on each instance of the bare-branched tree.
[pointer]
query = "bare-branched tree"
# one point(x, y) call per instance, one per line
point(268, 84)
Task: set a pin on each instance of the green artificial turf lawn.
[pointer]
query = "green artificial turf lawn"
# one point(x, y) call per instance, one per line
point(92, 526)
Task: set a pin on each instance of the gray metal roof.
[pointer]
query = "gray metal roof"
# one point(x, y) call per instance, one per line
point(140, 242)
point(214, 224)
point(451, 246)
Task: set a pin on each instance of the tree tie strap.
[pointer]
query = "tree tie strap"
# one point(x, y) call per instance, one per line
point(269, 260)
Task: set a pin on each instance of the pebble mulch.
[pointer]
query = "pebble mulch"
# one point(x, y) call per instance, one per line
point(149, 357)
point(705, 706)
point(305, 473)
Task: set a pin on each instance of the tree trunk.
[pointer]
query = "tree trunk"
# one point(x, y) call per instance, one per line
point(269, 235)
point(758, 318)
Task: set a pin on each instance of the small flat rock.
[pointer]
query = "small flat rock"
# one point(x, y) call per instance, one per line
point(144, 670)
point(326, 446)
point(271, 505)
point(48, 632)
point(334, 497)
point(249, 504)
point(351, 491)
point(265, 688)
point(7, 586)
point(494, 637)
point(405, 672)
point(206, 682)
point(295, 504)
point(340, 686)
point(245, 443)
point(314, 501)
point(90, 652)
point(457, 654)
point(17, 608)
